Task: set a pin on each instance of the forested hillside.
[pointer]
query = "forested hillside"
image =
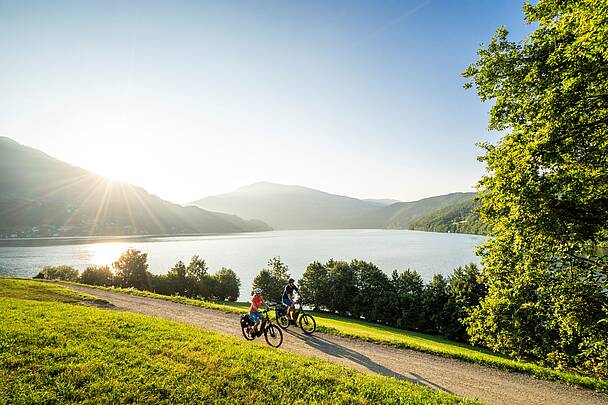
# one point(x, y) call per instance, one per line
point(459, 218)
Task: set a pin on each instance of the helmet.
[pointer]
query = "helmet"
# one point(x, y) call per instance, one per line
point(291, 280)
point(257, 290)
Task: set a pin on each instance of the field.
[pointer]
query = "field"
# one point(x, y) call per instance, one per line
point(359, 329)
point(54, 349)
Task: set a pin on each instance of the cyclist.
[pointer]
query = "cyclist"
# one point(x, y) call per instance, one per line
point(255, 315)
point(288, 300)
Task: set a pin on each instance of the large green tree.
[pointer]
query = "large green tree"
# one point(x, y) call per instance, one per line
point(131, 270)
point(226, 285)
point(545, 194)
point(272, 280)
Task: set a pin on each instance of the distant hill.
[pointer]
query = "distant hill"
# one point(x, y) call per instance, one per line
point(381, 202)
point(458, 218)
point(289, 207)
point(42, 196)
point(402, 215)
point(296, 207)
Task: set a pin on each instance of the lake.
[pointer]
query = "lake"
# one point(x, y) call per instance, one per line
point(246, 253)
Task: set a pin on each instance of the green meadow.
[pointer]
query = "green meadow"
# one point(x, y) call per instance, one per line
point(54, 349)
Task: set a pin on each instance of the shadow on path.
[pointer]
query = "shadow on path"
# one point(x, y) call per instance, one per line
point(336, 350)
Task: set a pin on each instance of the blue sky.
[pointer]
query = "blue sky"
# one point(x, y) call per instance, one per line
point(193, 98)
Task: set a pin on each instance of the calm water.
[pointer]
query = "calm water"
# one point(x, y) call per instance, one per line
point(426, 252)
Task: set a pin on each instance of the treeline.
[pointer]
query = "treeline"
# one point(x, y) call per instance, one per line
point(360, 289)
point(403, 300)
point(131, 271)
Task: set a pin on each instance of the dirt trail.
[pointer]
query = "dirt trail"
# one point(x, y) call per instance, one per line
point(449, 375)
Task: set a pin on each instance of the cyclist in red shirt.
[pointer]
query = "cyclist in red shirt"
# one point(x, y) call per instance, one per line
point(255, 315)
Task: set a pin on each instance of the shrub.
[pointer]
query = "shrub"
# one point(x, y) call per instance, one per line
point(97, 275)
point(63, 272)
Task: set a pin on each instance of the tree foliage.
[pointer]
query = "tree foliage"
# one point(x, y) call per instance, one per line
point(131, 270)
point(545, 194)
point(361, 289)
point(226, 285)
point(194, 281)
point(273, 279)
point(97, 275)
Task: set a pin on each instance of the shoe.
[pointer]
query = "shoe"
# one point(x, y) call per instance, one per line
point(259, 333)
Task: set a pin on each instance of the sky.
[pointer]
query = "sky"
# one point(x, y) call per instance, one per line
point(195, 98)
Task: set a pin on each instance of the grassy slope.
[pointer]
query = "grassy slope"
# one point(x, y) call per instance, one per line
point(33, 290)
point(437, 345)
point(56, 352)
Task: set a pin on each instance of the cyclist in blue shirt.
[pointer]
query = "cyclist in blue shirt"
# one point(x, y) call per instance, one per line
point(287, 298)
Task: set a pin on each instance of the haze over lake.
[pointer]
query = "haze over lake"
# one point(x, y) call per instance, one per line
point(247, 253)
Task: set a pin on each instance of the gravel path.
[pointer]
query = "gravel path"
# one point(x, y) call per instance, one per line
point(449, 375)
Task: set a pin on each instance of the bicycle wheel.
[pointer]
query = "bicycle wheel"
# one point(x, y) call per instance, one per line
point(308, 324)
point(283, 321)
point(246, 332)
point(273, 336)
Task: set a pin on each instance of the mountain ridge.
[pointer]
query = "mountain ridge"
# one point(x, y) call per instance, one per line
point(43, 196)
point(298, 207)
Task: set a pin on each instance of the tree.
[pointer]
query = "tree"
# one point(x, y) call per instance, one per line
point(466, 289)
point(131, 270)
point(97, 275)
point(176, 277)
point(436, 310)
point(63, 272)
point(342, 279)
point(545, 193)
point(197, 274)
point(273, 279)
point(373, 287)
point(226, 285)
point(408, 287)
point(314, 286)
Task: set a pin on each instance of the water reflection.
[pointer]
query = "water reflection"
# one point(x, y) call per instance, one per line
point(106, 253)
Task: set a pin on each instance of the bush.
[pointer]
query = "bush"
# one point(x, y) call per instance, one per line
point(63, 272)
point(97, 275)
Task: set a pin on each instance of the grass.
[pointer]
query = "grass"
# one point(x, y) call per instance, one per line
point(34, 290)
point(362, 330)
point(53, 351)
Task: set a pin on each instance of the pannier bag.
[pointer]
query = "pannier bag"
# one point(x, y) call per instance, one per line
point(245, 320)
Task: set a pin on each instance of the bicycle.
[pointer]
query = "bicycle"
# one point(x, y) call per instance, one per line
point(272, 334)
point(306, 321)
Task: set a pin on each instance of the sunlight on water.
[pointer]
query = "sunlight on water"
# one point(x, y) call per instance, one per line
point(105, 253)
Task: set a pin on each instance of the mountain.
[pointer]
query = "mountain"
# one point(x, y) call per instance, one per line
point(43, 196)
point(458, 218)
point(380, 202)
point(288, 207)
point(297, 207)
